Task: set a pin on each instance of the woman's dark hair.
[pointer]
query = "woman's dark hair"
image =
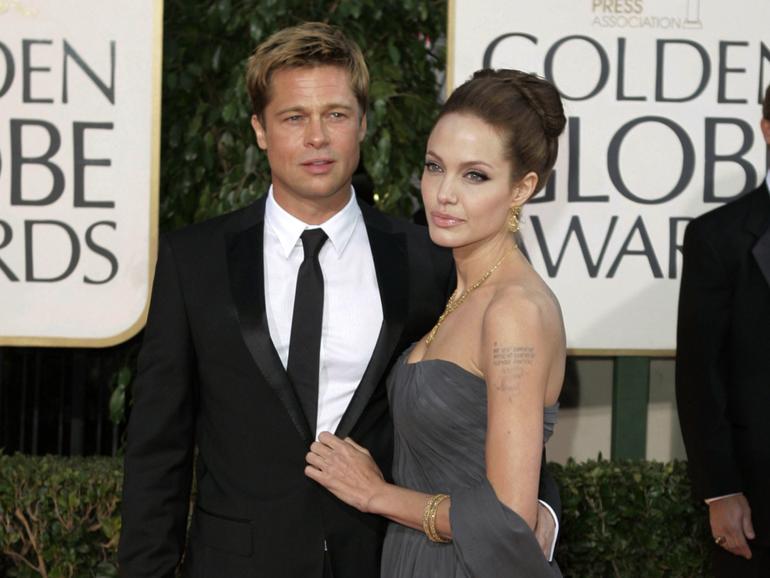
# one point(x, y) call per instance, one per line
point(766, 104)
point(524, 108)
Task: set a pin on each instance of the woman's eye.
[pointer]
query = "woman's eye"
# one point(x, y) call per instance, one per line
point(476, 176)
point(432, 167)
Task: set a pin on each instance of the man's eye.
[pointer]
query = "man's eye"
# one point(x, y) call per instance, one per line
point(338, 115)
point(432, 167)
point(293, 118)
point(476, 176)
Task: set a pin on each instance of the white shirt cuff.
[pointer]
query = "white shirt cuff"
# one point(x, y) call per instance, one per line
point(714, 499)
point(556, 529)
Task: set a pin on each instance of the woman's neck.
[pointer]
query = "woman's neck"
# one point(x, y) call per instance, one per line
point(473, 261)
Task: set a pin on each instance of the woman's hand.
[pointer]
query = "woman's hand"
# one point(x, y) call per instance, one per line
point(346, 469)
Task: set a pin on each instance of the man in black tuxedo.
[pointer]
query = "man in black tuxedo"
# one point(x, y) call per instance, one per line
point(723, 374)
point(267, 326)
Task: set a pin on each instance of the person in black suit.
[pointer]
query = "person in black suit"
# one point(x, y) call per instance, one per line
point(267, 326)
point(723, 374)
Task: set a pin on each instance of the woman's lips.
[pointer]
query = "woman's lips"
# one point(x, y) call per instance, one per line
point(444, 220)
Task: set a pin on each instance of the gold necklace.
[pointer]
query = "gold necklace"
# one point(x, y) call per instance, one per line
point(456, 300)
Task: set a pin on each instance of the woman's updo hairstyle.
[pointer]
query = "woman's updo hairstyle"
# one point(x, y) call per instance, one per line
point(525, 109)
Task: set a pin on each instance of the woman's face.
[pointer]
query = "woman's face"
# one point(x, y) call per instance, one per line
point(467, 185)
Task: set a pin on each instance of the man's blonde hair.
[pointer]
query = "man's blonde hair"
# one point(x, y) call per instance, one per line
point(306, 45)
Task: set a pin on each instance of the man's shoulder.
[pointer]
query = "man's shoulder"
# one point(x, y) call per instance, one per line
point(423, 251)
point(727, 217)
point(373, 217)
point(219, 226)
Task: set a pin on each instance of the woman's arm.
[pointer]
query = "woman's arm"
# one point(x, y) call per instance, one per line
point(348, 471)
point(520, 339)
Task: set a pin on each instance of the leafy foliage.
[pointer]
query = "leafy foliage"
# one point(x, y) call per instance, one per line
point(59, 517)
point(630, 519)
point(210, 161)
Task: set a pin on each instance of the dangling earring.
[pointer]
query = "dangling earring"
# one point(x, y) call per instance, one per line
point(513, 219)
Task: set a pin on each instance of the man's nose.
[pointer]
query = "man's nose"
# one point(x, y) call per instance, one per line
point(316, 134)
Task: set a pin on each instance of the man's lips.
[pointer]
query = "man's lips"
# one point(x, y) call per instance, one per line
point(443, 220)
point(318, 166)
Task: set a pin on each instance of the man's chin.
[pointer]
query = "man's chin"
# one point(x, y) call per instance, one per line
point(319, 194)
point(324, 195)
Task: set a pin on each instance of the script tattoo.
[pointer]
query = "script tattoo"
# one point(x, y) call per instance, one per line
point(514, 363)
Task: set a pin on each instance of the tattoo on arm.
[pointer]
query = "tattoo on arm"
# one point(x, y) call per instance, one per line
point(514, 363)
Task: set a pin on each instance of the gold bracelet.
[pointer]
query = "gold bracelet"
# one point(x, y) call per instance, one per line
point(436, 537)
point(429, 518)
point(425, 516)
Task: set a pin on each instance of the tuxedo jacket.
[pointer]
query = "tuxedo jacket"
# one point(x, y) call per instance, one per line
point(211, 390)
point(723, 353)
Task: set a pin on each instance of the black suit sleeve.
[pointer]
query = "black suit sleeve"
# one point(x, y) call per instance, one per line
point(159, 449)
point(701, 366)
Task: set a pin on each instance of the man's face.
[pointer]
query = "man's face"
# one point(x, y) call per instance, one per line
point(311, 130)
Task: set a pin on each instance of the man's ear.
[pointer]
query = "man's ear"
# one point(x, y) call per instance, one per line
point(362, 128)
point(259, 131)
point(765, 125)
point(524, 189)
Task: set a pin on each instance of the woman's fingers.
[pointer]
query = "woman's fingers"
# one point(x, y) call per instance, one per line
point(330, 440)
point(320, 449)
point(315, 460)
point(356, 446)
point(314, 474)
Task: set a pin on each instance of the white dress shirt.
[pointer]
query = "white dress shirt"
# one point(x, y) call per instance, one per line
point(352, 311)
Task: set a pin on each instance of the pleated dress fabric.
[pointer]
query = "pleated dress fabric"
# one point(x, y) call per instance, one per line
point(440, 417)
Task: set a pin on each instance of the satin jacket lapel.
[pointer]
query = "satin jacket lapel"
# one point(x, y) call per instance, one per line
point(759, 224)
point(390, 261)
point(246, 272)
point(762, 254)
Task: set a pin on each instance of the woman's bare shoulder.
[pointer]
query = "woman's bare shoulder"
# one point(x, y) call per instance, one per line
point(527, 306)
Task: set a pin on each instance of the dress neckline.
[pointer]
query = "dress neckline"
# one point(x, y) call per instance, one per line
point(407, 363)
point(439, 361)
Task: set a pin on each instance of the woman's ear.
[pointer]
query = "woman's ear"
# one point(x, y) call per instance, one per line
point(524, 189)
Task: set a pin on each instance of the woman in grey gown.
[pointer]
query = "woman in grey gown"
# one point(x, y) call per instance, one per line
point(474, 401)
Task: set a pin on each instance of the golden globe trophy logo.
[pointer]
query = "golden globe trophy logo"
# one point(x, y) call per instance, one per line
point(79, 127)
point(632, 14)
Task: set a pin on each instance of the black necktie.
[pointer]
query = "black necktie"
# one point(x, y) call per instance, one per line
point(305, 340)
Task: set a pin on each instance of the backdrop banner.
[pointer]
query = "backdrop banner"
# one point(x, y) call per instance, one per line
point(79, 151)
point(663, 99)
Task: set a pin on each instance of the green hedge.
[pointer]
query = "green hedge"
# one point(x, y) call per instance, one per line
point(60, 517)
point(631, 519)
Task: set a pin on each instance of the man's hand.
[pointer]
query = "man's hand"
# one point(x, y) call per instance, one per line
point(731, 517)
point(545, 528)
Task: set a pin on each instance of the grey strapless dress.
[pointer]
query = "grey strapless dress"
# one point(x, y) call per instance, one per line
point(440, 418)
